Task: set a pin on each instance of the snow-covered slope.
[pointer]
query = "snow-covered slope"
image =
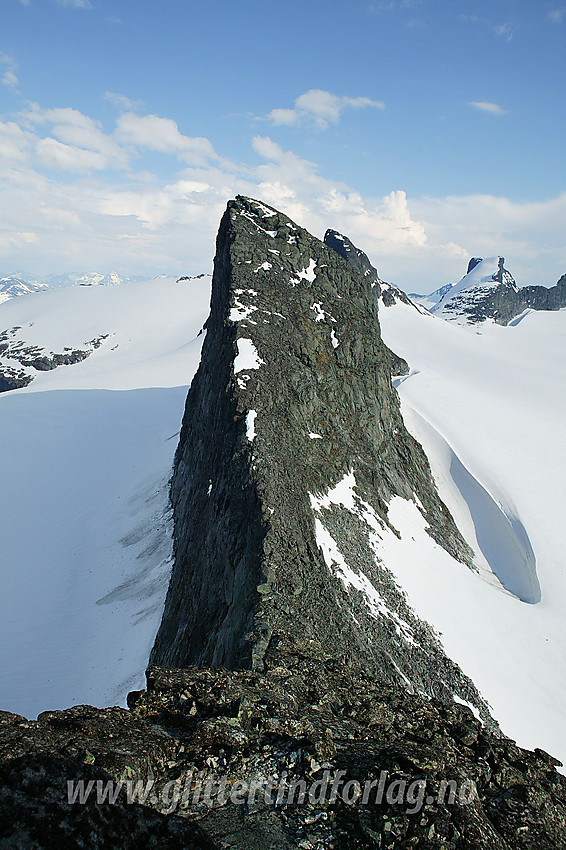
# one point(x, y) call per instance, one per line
point(489, 409)
point(87, 452)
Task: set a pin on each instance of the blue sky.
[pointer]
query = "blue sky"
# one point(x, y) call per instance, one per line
point(427, 130)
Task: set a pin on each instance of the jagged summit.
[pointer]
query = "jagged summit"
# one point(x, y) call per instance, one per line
point(479, 293)
point(291, 452)
point(388, 293)
point(346, 248)
point(489, 291)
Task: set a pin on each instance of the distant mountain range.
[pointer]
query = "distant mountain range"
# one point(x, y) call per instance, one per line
point(23, 283)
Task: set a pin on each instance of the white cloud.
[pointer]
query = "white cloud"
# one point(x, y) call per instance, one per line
point(162, 134)
point(77, 142)
point(124, 103)
point(505, 31)
point(291, 183)
point(320, 108)
point(9, 77)
point(76, 4)
point(557, 15)
point(54, 154)
point(487, 106)
point(14, 143)
point(529, 234)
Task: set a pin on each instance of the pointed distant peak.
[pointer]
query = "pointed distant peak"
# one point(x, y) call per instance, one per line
point(475, 261)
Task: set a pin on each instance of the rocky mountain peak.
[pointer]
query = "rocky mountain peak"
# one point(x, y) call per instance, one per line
point(291, 450)
point(489, 291)
point(387, 293)
point(473, 263)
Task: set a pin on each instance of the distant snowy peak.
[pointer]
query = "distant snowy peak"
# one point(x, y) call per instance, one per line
point(88, 279)
point(23, 283)
point(11, 287)
point(430, 302)
point(97, 279)
point(27, 282)
point(488, 292)
point(479, 294)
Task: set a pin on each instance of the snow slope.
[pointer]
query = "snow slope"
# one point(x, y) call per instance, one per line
point(85, 546)
point(489, 408)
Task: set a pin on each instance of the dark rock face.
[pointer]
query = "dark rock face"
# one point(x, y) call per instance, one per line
point(543, 298)
point(197, 739)
point(473, 263)
point(292, 398)
point(389, 294)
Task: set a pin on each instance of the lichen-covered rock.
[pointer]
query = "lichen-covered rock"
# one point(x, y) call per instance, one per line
point(312, 754)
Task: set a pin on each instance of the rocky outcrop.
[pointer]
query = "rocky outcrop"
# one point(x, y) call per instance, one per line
point(313, 754)
point(19, 363)
point(291, 450)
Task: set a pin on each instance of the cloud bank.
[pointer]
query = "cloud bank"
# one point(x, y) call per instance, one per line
point(75, 196)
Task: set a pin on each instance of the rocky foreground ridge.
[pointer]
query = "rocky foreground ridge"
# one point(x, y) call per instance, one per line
point(196, 739)
point(287, 655)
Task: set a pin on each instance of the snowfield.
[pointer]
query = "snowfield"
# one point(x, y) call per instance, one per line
point(488, 404)
point(87, 450)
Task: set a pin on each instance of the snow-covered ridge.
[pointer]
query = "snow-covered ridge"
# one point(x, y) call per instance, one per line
point(12, 287)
